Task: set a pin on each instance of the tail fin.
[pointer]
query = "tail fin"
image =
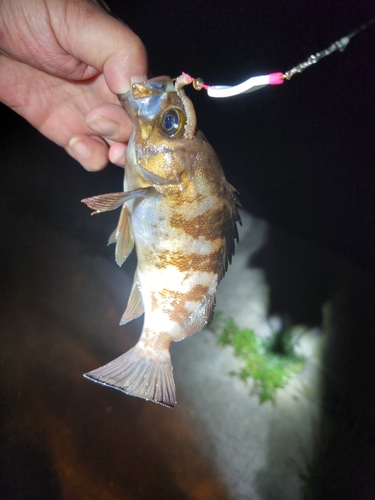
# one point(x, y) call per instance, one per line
point(138, 375)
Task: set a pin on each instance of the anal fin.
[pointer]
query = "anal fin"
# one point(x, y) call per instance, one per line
point(135, 307)
point(137, 374)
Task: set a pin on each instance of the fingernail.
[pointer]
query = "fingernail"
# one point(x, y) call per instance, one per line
point(116, 158)
point(104, 126)
point(138, 79)
point(79, 147)
point(124, 87)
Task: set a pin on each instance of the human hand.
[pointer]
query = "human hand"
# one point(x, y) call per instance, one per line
point(61, 64)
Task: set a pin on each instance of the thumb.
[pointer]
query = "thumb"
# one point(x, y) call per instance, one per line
point(104, 43)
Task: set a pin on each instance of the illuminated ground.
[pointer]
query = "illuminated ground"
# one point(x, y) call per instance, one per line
point(261, 450)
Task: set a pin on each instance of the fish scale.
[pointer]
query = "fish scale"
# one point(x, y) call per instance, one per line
point(180, 213)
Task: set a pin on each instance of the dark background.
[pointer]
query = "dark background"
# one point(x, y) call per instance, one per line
point(301, 154)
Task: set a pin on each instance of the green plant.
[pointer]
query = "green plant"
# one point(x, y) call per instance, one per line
point(269, 363)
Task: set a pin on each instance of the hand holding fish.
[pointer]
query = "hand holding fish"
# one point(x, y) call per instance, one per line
point(59, 62)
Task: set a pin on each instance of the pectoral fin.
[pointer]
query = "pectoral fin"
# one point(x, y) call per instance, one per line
point(135, 307)
point(111, 201)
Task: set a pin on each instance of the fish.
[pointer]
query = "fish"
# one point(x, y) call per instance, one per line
point(180, 213)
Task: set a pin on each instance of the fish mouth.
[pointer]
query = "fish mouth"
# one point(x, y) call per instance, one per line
point(145, 97)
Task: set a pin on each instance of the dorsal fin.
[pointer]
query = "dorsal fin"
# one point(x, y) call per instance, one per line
point(230, 231)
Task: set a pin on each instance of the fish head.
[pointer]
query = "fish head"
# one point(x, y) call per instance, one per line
point(157, 148)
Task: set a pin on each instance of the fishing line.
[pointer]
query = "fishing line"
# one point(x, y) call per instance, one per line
point(258, 82)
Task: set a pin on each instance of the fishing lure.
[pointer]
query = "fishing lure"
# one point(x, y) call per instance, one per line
point(258, 82)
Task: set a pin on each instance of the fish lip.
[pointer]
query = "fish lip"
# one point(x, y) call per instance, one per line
point(142, 91)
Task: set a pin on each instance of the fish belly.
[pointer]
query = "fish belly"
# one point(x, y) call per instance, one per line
point(175, 270)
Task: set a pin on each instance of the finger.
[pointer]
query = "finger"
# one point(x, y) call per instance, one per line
point(90, 152)
point(105, 44)
point(110, 121)
point(116, 154)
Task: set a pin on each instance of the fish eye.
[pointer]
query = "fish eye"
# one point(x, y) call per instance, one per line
point(172, 122)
